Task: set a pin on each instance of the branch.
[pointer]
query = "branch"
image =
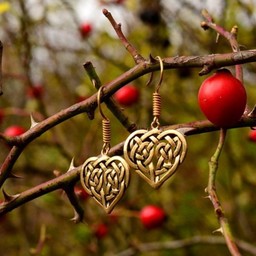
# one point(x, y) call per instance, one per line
point(178, 244)
point(230, 36)
point(73, 174)
point(128, 46)
point(211, 190)
point(111, 104)
point(88, 106)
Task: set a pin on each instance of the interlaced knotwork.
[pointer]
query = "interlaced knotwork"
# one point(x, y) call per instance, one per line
point(155, 155)
point(105, 179)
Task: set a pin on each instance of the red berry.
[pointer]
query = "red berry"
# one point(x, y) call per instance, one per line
point(35, 92)
point(252, 135)
point(81, 193)
point(127, 95)
point(222, 98)
point(152, 216)
point(101, 230)
point(14, 130)
point(85, 29)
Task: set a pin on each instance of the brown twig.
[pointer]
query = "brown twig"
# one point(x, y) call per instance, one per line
point(41, 242)
point(88, 106)
point(111, 104)
point(128, 46)
point(230, 36)
point(72, 176)
point(79, 212)
point(183, 243)
point(211, 190)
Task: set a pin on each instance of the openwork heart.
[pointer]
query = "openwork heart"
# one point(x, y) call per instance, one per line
point(155, 155)
point(105, 179)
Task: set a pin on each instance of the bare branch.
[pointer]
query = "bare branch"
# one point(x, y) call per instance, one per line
point(211, 190)
point(128, 46)
point(188, 242)
point(111, 104)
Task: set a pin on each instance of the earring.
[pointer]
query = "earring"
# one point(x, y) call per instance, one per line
point(154, 154)
point(105, 178)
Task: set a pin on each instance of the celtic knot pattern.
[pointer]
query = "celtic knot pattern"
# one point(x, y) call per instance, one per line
point(155, 155)
point(105, 179)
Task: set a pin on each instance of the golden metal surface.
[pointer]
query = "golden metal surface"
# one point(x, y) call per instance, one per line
point(105, 179)
point(155, 155)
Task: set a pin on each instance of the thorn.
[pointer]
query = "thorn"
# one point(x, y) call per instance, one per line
point(152, 59)
point(252, 114)
point(207, 197)
point(71, 166)
point(15, 176)
point(9, 198)
point(77, 218)
point(185, 130)
point(218, 230)
point(33, 122)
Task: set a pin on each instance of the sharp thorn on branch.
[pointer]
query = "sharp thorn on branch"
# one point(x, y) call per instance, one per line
point(15, 176)
point(252, 114)
point(219, 230)
point(71, 166)
point(33, 122)
point(8, 198)
point(77, 218)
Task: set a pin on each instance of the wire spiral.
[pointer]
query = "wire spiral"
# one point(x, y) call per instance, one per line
point(156, 104)
point(106, 131)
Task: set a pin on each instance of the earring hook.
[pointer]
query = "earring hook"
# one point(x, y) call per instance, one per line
point(106, 132)
point(98, 102)
point(161, 73)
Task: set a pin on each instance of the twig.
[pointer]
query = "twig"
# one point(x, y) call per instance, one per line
point(6, 167)
point(41, 242)
point(230, 36)
point(89, 105)
point(73, 174)
point(178, 244)
point(128, 46)
point(211, 190)
point(79, 212)
point(111, 104)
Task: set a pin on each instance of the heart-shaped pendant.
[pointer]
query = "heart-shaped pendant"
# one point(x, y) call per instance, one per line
point(155, 155)
point(105, 179)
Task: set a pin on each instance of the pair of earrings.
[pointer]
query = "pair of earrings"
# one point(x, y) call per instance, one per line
point(154, 154)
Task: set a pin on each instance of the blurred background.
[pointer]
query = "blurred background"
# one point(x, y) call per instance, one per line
point(45, 45)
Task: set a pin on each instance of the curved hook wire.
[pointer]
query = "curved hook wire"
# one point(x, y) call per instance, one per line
point(161, 73)
point(106, 132)
point(99, 104)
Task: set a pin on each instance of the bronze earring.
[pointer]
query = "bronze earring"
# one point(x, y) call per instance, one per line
point(105, 178)
point(155, 154)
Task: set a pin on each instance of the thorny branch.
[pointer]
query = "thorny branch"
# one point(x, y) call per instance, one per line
point(230, 36)
point(211, 190)
point(128, 46)
point(206, 63)
point(188, 242)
